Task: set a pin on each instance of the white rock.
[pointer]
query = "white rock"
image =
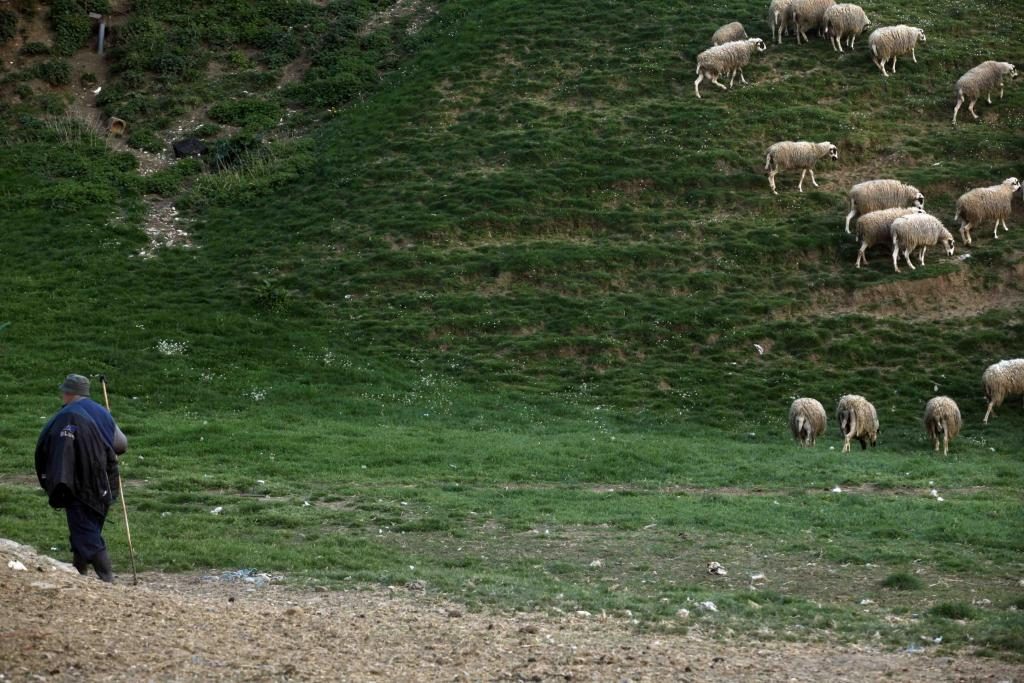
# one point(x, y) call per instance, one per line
point(597, 564)
point(16, 565)
point(217, 510)
point(708, 606)
point(837, 490)
point(683, 613)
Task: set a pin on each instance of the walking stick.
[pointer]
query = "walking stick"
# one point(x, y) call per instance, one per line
point(120, 491)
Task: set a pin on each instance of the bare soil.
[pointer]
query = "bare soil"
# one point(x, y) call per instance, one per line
point(60, 626)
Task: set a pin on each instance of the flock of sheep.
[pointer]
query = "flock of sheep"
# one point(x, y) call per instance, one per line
point(887, 211)
point(858, 419)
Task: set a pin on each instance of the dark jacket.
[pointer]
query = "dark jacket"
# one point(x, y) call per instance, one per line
point(74, 461)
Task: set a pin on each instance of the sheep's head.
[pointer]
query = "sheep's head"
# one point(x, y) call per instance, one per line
point(1010, 69)
point(833, 152)
point(919, 200)
point(1012, 182)
point(921, 36)
point(947, 242)
point(758, 43)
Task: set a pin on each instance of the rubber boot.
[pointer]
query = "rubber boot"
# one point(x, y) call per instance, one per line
point(104, 570)
point(80, 564)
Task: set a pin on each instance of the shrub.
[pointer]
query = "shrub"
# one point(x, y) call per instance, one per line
point(71, 26)
point(952, 610)
point(258, 113)
point(8, 25)
point(207, 130)
point(229, 152)
point(902, 581)
point(88, 78)
point(52, 104)
point(55, 72)
point(146, 140)
point(34, 49)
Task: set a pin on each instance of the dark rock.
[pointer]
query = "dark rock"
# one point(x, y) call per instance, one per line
point(189, 147)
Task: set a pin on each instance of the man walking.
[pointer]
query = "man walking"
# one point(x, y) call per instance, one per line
point(76, 462)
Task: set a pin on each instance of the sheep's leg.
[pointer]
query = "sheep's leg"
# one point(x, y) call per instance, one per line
point(965, 233)
point(945, 442)
point(894, 65)
point(923, 249)
point(996, 232)
point(959, 102)
point(813, 181)
point(880, 65)
point(853, 40)
point(988, 97)
point(991, 404)
point(837, 43)
point(906, 257)
point(913, 55)
point(1000, 91)
point(800, 187)
point(771, 181)
point(732, 77)
point(850, 216)
point(863, 443)
point(846, 443)
point(896, 257)
point(696, 85)
point(861, 257)
point(720, 85)
point(742, 79)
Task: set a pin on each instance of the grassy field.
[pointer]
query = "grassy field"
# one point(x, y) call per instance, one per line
point(492, 315)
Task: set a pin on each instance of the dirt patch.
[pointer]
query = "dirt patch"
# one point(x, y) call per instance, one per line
point(945, 297)
point(165, 227)
point(189, 627)
point(420, 11)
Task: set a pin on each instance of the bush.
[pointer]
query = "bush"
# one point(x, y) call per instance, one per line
point(952, 610)
point(8, 25)
point(230, 152)
point(146, 140)
point(71, 26)
point(207, 130)
point(254, 112)
point(55, 72)
point(902, 581)
point(87, 78)
point(35, 49)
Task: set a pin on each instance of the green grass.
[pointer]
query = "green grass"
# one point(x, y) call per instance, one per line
point(494, 319)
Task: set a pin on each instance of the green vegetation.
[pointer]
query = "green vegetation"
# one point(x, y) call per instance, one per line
point(493, 317)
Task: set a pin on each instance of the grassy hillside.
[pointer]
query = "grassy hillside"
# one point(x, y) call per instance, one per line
point(492, 313)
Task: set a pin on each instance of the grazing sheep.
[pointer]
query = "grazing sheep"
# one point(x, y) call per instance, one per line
point(875, 195)
point(1005, 378)
point(890, 42)
point(982, 80)
point(942, 418)
point(784, 156)
point(918, 231)
point(844, 20)
point(993, 203)
point(729, 33)
point(726, 59)
point(874, 228)
point(780, 18)
point(808, 14)
point(807, 420)
point(857, 420)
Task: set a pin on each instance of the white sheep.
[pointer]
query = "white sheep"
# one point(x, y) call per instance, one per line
point(729, 33)
point(726, 59)
point(780, 18)
point(993, 203)
point(788, 155)
point(982, 80)
point(857, 419)
point(842, 21)
point(890, 42)
point(942, 418)
point(807, 420)
point(875, 228)
point(1002, 379)
point(918, 231)
point(875, 195)
point(808, 14)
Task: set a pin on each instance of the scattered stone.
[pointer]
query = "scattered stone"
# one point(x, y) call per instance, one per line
point(416, 585)
point(708, 606)
point(596, 564)
point(716, 568)
point(683, 613)
point(16, 565)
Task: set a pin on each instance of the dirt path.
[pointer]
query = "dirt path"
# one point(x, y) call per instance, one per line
point(62, 627)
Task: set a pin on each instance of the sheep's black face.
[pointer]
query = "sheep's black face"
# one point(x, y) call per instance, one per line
point(761, 47)
point(949, 246)
point(1014, 183)
point(833, 153)
point(919, 201)
point(921, 36)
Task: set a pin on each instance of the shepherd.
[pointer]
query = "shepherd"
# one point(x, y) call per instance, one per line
point(76, 462)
